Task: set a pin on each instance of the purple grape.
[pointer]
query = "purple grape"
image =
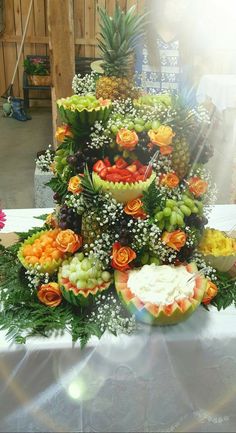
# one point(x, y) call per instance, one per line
point(72, 160)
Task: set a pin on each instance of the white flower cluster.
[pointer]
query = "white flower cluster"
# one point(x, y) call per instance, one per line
point(110, 210)
point(97, 137)
point(109, 316)
point(101, 248)
point(76, 202)
point(44, 162)
point(124, 107)
point(209, 272)
point(84, 85)
point(191, 237)
point(35, 277)
point(145, 234)
point(162, 164)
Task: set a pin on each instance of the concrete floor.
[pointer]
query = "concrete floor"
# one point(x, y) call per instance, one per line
point(19, 144)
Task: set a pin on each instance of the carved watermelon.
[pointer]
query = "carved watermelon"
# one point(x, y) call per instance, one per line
point(82, 297)
point(153, 314)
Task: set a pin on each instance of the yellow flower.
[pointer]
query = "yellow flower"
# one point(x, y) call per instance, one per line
point(217, 243)
point(161, 136)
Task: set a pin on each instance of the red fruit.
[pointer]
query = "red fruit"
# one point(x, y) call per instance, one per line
point(103, 173)
point(107, 162)
point(98, 166)
point(140, 177)
point(137, 163)
point(121, 163)
point(113, 177)
point(132, 168)
point(146, 170)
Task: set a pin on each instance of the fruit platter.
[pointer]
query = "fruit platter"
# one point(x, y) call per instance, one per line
point(127, 243)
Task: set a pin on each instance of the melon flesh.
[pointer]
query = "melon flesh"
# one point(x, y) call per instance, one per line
point(80, 297)
point(153, 314)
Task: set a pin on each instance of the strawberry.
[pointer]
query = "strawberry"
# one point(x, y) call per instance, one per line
point(121, 163)
point(113, 177)
point(98, 166)
point(103, 173)
point(107, 162)
point(137, 163)
point(146, 170)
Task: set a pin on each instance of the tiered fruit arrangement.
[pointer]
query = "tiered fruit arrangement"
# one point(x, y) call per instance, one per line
point(131, 192)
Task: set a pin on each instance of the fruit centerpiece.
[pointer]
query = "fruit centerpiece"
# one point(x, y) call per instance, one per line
point(125, 242)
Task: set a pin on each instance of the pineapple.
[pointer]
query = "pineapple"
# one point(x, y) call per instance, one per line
point(90, 229)
point(181, 158)
point(120, 35)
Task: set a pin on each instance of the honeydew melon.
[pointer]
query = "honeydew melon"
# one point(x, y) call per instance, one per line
point(123, 192)
point(152, 314)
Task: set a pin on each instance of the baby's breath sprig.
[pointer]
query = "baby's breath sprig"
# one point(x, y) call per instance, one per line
point(109, 316)
point(45, 161)
point(84, 85)
point(35, 277)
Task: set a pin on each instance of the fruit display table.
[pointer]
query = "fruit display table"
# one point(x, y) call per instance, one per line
point(177, 378)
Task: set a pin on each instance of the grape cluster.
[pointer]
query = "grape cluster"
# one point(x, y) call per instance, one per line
point(85, 273)
point(176, 213)
point(69, 219)
point(61, 164)
point(81, 158)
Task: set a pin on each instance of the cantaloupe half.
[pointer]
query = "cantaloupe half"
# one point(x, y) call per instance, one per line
point(165, 314)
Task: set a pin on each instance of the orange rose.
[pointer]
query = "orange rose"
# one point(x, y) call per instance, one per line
point(104, 102)
point(175, 240)
point(170, 180)
point(121, 257)
point(210, 293)
point(75, 185)
point(127, 139)
point(166, 150)
point(51, 220)
point(161, 136)
point(62, 132)
point(135, 208)
point(68, 242)
point(197, 186)
point(50, 294)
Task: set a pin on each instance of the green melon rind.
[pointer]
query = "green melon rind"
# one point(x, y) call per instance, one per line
point(123, 192)
point(49, 267)
point(80, 299)
point(82, 120)
point(142, 314)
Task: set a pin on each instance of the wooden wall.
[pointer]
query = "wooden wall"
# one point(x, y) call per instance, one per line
point(86, 28)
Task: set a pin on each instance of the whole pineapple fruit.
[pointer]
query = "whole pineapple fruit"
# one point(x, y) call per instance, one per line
point(90, 230)
point(180, 158)
point(120, 35)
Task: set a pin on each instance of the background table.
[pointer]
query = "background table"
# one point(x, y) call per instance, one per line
point(221, 90)
point(179, 378)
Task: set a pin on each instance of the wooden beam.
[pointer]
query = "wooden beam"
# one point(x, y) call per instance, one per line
point(62, 51)
point(42, 40)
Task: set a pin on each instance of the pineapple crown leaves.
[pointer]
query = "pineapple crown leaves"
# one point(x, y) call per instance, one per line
point(119, 37)
point(89, 190)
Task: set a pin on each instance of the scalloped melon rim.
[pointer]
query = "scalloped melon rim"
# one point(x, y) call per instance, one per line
point(123, 192)
point(49, 267)
point(160, 315)
point(81, 297)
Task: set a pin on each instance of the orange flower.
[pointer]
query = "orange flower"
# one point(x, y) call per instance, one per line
point(121, 257)
point(50, 294)
point(51, 220)
point(170, 179)
point(127, 139)
point(161, 136)
point(166, 150)
point(135, 208)
point(104, 102)
point(68, 242)
point(62, 132)
point(197, 186)
point(175, 240)
point(74, 185)
point(210, 293)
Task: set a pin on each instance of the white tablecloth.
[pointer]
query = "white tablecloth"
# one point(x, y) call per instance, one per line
point(179, 378)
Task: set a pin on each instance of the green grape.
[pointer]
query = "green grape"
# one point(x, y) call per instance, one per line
point(145, 258)
point(80, 256)
point(180, 203)
point(180, 220)
point(195, 209)
point(148, 125)
point(170, 203)
point(138, 127)
point(80, 284)
point(159, 216)
point(161, 225)
point(199, 204)
point(91, 283)
point(73, 277)
point(106, 276)
point(86, 265)
point(139, 120)
point(130, 125)
point(100, 281)
point(155, 261)
point(186, 210)
point(114, 129)
point(167, 211)
point(173, 218)
point(188, 202)
point(169, 227)
point(155, 124)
